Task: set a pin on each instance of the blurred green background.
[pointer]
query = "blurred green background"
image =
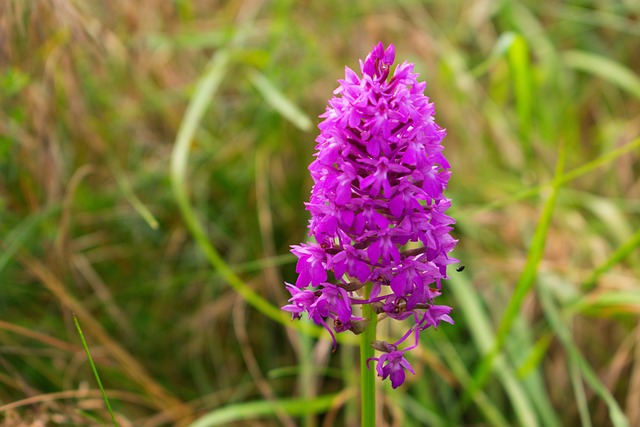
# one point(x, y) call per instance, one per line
point(166, 232)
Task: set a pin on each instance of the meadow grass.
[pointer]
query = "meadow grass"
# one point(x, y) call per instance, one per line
point(153, 160)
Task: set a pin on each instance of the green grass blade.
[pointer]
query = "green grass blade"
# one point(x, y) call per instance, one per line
point(252, 410)
point(305, 372)
point(618, 255)
point(95, 370)
point(419, 411)
point(611, 301)
point(279, 101)
point(616, 414)
point(526, 355)
point(16, 238)
point(605, 68)
point(203, 94)
point(565, 179)
point(535, 356)
point(525, 282)
point(204, 91)
point(581, 397)
point(487, 408)
point(482, 333)
point(523, 88)
point(129, 194)
point(500, 49)
point(596, 17)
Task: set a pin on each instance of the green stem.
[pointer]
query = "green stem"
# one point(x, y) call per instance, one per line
point(95, 371)
point(367, 376)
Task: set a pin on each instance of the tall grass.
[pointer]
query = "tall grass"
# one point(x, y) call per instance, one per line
point(153, 173)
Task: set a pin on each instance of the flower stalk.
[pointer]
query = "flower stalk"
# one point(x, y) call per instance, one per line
point(367, 376)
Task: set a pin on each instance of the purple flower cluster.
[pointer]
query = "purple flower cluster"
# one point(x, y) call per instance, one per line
point(377, 210)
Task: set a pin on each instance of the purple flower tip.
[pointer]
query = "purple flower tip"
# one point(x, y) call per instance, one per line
point(377, 210)
point(378, 62)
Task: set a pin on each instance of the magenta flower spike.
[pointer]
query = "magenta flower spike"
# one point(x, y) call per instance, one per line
point(377, 211)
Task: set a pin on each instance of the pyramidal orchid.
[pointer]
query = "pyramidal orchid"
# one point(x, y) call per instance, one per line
point(377, 212)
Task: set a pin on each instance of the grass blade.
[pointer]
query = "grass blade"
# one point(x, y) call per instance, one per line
point(95, 370)
point(21, 233)
point(565, 179)
point(251, 410)
point(616, 414)
point(279, 101)
point(581, 397)
point(618, 255)
point(520, 65)
point(129, 194)
point(605, 68)
point(500, 49)
point(162, 399)
point(481, 331)
point(492, 414)
point(203, 93)
point(525, 283)
point(611, 301)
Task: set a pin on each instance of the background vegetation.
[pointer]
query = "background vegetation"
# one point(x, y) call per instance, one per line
point(153, 163)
